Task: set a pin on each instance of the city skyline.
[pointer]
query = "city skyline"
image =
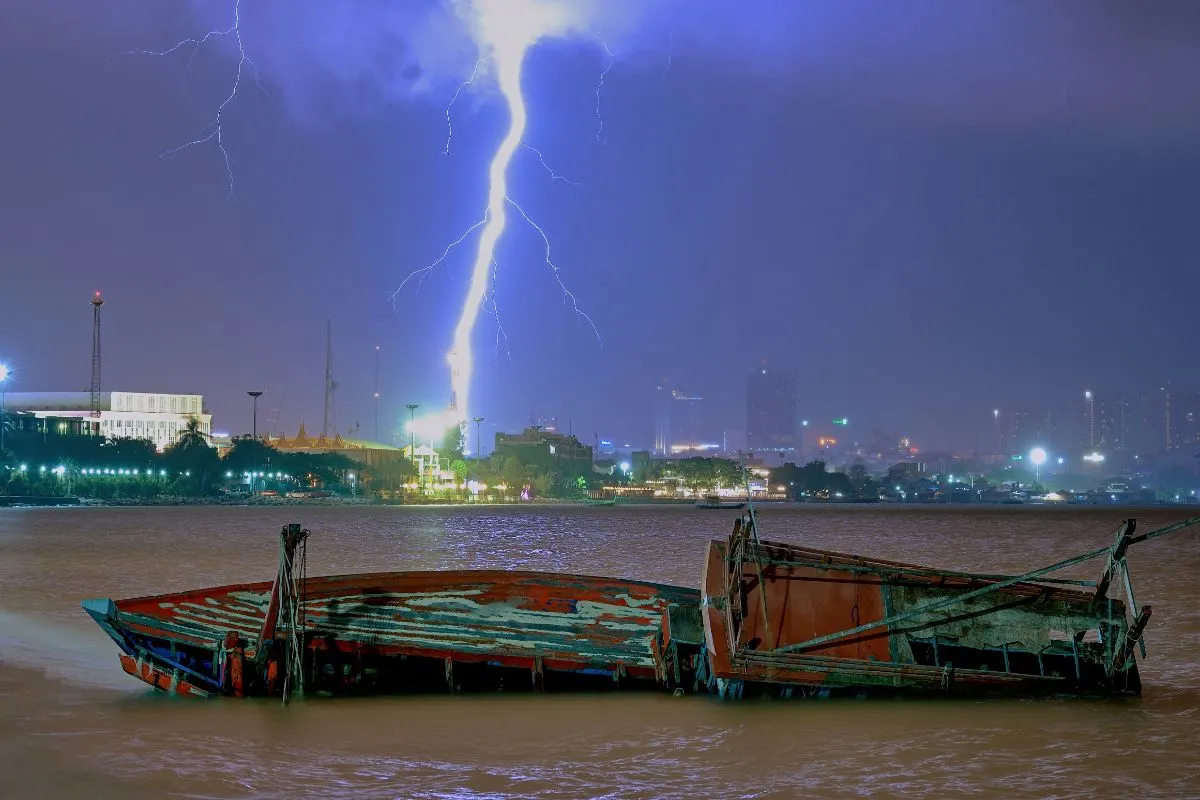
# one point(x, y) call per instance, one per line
point(724, 220)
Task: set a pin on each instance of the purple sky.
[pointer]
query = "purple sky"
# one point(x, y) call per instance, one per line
point(926, 209)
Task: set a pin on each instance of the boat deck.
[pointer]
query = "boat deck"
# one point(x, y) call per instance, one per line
point(544, 622)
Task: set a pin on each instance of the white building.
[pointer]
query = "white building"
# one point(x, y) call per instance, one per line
point(123, 415)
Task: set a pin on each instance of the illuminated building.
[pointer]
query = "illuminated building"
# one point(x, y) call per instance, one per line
point(1111, 425)
point(679, 423)
point(122, 415)
point(771, 411)
point(1023, 429)
point(1164, 420)
point(532, 442)
point(371, 454)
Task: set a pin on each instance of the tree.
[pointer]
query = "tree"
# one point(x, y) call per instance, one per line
point(812, 477)
point(392, 475)
point(543, 483)
point(194, 462)
point(513, 473)
point(839, 485)
point(864, 485)
point(249, 454)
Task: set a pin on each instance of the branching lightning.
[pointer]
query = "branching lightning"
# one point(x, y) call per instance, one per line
point(424, 271)
point(493, 309)
point(506, 30)
point(568, 295)
point(215, 130)
point(507, 35)
point(600, 85)
point(670, 52)
point(554, 176)
point(461, 87)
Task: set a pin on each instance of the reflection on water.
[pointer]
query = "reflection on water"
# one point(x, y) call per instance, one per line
point(72, 724)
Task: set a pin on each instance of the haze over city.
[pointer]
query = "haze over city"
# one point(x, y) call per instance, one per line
point(1002, 223)
point(599, 398)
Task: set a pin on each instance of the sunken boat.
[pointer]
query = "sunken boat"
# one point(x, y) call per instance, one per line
point(769, 619)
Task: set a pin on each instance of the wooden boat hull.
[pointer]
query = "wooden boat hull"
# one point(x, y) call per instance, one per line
point(404, 631)
point(876, 625)
point(770, 618)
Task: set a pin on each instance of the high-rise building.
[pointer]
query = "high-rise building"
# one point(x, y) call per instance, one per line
point(771, 411)
point(1184, 418)
point(1022, 430)
point(1112, 422)
point(679, 422)
point(662, 420)
point(1149, 434)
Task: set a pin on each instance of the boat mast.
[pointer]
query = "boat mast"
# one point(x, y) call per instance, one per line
point(285, 612)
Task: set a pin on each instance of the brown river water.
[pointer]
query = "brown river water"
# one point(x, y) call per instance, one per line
point(73, 725)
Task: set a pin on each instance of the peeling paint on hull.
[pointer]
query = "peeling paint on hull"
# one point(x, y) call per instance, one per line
point(770, 619)
point(541, 623)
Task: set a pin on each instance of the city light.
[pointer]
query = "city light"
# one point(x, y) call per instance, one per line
point(1095, 458)
point(432, 427)
point(1038, 456)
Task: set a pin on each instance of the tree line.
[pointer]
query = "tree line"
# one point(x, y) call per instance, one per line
point(36, 463)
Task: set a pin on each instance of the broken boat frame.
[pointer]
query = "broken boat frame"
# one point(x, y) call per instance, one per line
point(770, 619)
point(783, 620)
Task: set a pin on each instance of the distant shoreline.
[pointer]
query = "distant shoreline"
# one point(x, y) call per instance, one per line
point(278, 502)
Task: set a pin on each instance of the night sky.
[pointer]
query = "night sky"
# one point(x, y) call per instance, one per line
point(926, 209)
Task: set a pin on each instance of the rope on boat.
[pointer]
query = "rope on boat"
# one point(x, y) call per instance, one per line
point(752, 525)
point(292, 581)
point(985, 590)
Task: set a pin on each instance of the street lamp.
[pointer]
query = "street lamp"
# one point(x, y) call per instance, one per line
point(478, 450)
point(1038, 456)
point(412, 437)
point(254, 424)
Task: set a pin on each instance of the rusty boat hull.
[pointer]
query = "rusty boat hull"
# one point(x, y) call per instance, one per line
point(769, 619)
point(785, 620)
point(398, 632)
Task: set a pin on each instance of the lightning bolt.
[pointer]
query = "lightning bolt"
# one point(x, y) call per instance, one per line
point(554, 176)
point(506, 56)
point(568, 295)
point(600, 85)
point(215, 130)
point(461, 88)
point(670, 51)
point(494, 310)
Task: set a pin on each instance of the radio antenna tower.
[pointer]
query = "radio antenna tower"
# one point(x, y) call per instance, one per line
point(330, 422)
point(97, 301)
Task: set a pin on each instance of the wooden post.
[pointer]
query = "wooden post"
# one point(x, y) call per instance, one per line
point(1132, 636)
point(1115, 559)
